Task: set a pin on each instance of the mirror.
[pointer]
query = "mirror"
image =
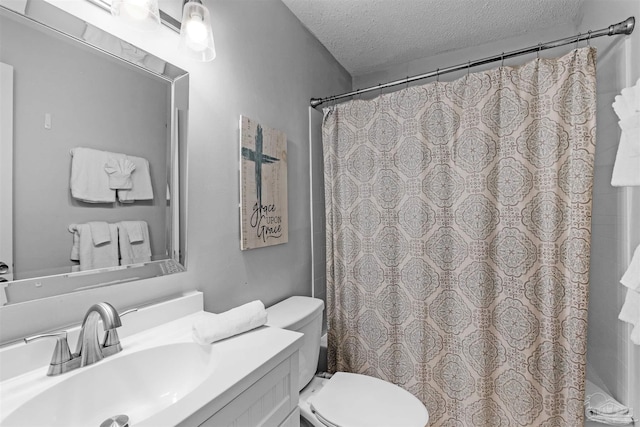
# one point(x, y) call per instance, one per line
point(97, 147)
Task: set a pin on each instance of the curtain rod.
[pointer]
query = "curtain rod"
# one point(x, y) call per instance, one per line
point(624, 27)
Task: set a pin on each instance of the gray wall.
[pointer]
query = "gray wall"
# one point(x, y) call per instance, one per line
point(318, 207)
point(268, 67)
point(93, 102)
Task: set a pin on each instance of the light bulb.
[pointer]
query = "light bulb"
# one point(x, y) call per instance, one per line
point(196, 36)
point(143, 15)
point(137, 9)
point(197, 31)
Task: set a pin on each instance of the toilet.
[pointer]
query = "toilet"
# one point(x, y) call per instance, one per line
point(344, 399)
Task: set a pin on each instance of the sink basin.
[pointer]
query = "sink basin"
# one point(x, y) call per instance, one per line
point(138, 384)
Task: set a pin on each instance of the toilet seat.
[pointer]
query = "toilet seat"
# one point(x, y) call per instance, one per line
point(353, 400)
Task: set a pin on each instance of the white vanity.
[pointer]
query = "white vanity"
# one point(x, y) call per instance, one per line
point(160, 378)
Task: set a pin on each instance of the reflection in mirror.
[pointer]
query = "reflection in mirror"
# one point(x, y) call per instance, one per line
point(98, 143)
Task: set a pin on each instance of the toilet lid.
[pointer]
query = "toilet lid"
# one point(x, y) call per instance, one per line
point(353, 400)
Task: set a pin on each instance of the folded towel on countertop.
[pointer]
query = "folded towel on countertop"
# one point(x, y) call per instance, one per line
point(209, 327)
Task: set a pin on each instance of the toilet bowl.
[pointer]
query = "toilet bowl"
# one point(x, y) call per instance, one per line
point(344, 399)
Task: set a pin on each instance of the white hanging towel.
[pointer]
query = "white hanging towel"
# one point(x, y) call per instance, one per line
point(134, 242)
point(141, 179)
point(100, 232)
point(626, 169)
point(90, 255)
point(119, 171)
point(89, 182)
point(631, 277)
point(630, 311)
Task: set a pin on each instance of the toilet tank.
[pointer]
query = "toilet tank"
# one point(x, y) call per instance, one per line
point(301, 314)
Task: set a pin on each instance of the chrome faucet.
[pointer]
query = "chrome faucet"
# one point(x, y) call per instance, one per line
point(89, 350)
point(88, 347)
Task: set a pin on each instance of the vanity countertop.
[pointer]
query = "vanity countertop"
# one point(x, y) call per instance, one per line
point(240, 361)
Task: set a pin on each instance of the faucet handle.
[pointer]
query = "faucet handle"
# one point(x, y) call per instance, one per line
point(61, 353)
point(131, 310)
point(111, 341)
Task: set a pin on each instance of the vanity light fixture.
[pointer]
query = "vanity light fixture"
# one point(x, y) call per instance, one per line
point(196, 34)
point(143, 15)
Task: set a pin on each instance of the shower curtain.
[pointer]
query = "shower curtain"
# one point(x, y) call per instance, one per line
point(458, 221)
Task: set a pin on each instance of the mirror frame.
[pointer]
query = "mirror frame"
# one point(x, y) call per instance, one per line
point(59, 284)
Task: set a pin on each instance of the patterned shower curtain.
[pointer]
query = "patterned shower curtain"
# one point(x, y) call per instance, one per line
point(458, 221)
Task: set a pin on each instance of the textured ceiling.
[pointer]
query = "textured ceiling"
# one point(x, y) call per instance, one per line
point(368, 35)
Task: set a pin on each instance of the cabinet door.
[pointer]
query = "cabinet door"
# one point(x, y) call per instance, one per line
point(293, 420)
point(268, 402)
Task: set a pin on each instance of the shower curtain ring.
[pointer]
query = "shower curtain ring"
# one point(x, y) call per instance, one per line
point(468, 68)
point(406, 83)
point(589, 39)
point(502, 62)
point(578, 39)
point(438, 75)
point(539, 49)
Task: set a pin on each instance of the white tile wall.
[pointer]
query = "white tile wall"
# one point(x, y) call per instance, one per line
point(608, 344)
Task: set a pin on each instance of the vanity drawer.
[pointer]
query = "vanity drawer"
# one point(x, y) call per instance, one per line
point(268, 402)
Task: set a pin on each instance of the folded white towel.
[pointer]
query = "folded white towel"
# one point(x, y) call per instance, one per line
point(99, 232)
point(135, 245)
point(626, 169)
point(141, 178)
point(89, 182)
point(209, 327)
point(119, 171)
point(136, 230)
point(75, 248)
point(602, 408)
point(631, 277)
point(627, 103)
point(90, 255)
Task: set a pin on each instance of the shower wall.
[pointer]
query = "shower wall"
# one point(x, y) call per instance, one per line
point(611, 355)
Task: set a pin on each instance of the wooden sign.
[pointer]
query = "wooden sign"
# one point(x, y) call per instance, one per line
point(264, 217)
